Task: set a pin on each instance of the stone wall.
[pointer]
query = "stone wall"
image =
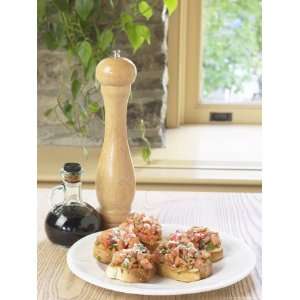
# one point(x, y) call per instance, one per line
point(149, 91)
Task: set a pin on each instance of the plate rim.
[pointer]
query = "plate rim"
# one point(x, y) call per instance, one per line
point(151, 292)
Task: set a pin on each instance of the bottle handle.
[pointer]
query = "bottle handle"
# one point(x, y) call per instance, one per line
point(53, 191)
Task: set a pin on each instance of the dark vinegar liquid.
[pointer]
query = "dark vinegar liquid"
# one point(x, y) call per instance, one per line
point(66, 224)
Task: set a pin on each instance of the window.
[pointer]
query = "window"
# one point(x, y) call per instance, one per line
point(231, 51)
point(215, 61)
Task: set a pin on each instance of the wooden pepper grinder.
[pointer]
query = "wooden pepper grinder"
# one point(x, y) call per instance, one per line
point(115, 178)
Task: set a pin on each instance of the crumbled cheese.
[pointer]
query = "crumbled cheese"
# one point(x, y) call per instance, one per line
point(147, 219)
point(126, 262)
point(116, 230)
point(140, 248)
point(147, 226)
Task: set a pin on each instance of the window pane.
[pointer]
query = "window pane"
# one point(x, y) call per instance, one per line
point(231, 51)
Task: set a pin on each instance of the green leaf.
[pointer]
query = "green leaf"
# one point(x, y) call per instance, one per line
point(93, 107)
point(89, 71)
point(84, 8)
point(62, 5)
point(48, 112)
point(84, 52)
point(144, 31)
point(146, 153)
point(75, 88)
point(125, 19)
point(67, 111)
point(96, 5)
point(55, 36)
point(105, 39)
point(137, 34)
point(50, 40)
point(74, 75)
point(59, 34)
point(146, 149)
point(135, 40)
point(41, 9)
point(171, 5)
point(145, 10)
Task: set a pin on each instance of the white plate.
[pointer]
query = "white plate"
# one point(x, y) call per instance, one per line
point(238, 262)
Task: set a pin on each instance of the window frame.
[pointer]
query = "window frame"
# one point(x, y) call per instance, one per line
point(185, 55)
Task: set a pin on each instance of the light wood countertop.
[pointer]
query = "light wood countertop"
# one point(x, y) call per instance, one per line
point(238, 214)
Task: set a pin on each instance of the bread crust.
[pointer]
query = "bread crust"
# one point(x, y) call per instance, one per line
point(102, 254)
point(186, 276)
point(216, 254)
point(129, 275)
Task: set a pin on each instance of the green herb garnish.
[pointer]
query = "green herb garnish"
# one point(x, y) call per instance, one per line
point(210, 246)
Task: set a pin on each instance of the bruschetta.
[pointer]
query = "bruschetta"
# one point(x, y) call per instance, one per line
point(132, 265)
point(182, 261)
point(147, 229)
point(112, 240)
point(206, 239)
point(203, 239)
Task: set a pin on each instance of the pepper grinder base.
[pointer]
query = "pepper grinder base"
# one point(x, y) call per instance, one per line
point(110, 221)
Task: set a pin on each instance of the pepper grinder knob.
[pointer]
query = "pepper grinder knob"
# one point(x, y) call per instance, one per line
point(116, 70)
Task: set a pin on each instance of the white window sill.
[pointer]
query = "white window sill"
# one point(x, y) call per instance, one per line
point(207, 155)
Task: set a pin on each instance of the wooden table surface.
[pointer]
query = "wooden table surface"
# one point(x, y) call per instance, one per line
point(238, 214)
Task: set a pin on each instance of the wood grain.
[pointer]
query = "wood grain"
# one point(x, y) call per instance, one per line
point(115, 177)
point(238, 214)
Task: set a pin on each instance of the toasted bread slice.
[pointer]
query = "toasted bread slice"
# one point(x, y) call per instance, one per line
point(186, 276)
point(131, 275)
point(102, 254)
point(216, 254)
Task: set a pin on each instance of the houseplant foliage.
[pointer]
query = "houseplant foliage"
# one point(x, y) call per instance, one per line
point(88, 30)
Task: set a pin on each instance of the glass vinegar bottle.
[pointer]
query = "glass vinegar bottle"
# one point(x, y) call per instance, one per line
point(73, 218)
